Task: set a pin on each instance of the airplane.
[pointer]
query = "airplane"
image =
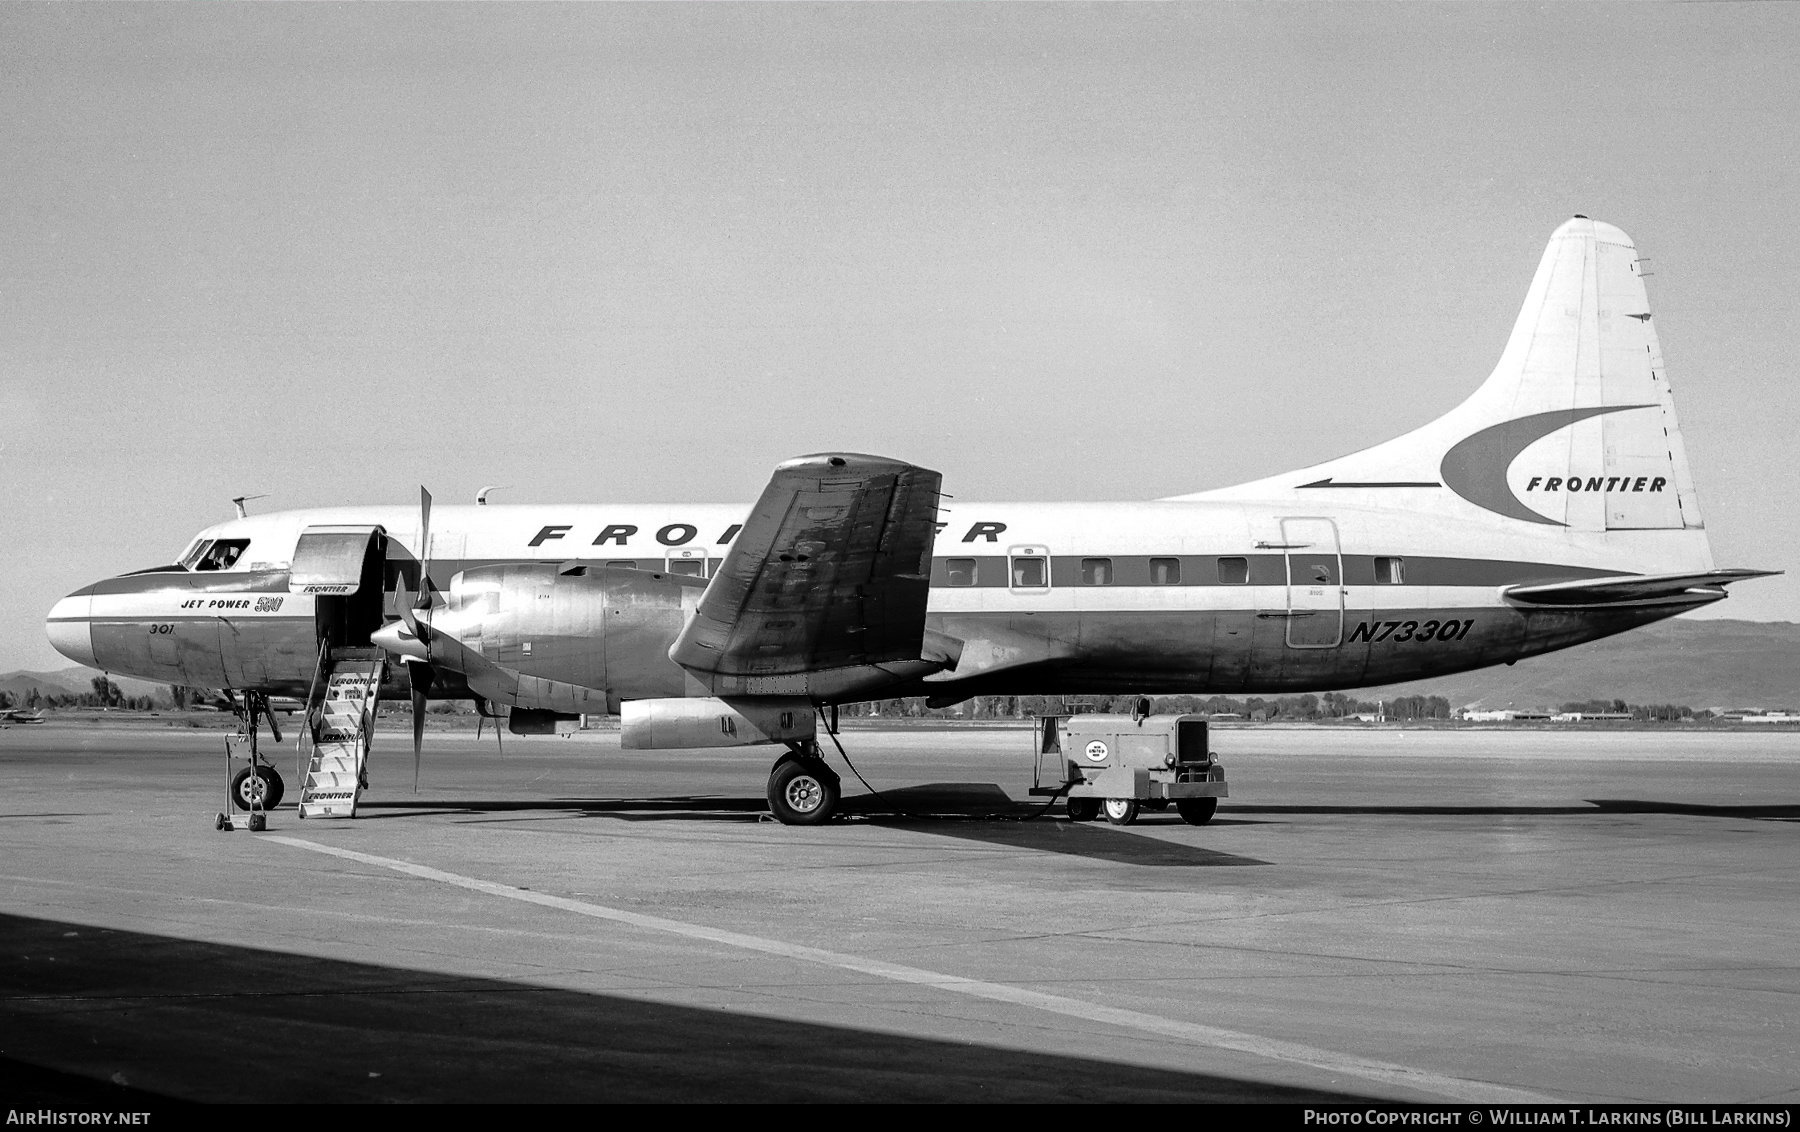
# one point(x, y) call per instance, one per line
point(1553, 506)
point(9, 716)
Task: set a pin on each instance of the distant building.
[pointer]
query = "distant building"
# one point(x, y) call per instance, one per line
point(1507, 715)
point(1587, 716)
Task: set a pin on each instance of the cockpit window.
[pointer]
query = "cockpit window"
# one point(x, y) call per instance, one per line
point(192, 557)
point(222, 554)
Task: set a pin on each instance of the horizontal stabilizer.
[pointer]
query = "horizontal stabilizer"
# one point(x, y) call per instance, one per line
point(1631, 588)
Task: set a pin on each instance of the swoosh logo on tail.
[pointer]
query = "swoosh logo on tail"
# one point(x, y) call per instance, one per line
point(1476, 467)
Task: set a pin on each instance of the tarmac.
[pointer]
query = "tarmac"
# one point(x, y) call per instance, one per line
point(1465, 916)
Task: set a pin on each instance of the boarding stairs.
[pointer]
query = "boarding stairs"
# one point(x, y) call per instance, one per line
point(340, 715)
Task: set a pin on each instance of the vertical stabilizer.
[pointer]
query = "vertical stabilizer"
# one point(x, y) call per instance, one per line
point(1575, 428)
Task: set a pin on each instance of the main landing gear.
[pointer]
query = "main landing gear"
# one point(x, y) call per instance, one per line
point(802, 789)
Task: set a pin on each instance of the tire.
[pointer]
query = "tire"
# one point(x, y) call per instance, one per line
point(1120, 811)
point(268, 784)
point(1197, 811)
point(1084, 809)
point(803, 792)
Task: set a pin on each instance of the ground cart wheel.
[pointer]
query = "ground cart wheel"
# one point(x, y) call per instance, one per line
point(1121, 811)
point(264, 787)
point(802, 792)
point(1084, 809)
point(1197, 811)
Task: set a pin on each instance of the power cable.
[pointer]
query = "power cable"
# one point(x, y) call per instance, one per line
point(903, 812)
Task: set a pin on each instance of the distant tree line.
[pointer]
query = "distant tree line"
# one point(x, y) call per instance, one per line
point(106, 694)
point(1332, 705)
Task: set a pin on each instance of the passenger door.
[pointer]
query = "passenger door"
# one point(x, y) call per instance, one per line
point(1315, 583)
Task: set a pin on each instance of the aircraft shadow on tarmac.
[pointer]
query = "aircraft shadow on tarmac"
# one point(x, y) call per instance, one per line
point(968, 811)
point(103, 1016)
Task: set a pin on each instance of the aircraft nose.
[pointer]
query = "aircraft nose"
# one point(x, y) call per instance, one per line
point(397, 639)
point(70, 628)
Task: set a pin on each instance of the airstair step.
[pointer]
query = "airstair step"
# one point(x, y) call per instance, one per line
point(340, 742)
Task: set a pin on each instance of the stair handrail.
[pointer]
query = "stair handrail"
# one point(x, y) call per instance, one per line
point(306, 720)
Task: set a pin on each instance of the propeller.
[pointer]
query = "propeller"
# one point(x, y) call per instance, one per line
point(426, 648)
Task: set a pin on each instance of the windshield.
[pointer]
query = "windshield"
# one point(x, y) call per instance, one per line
point(222, 554)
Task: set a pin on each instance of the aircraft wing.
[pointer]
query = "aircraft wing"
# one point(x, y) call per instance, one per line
point(1628, 588)
point(832, 570)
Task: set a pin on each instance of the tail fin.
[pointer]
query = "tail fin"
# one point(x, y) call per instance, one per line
point(1575, 427)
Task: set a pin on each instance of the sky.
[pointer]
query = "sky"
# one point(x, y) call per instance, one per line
point(622, 253)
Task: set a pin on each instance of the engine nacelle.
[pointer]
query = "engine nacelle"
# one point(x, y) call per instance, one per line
point(658, 725)
point(581, 638)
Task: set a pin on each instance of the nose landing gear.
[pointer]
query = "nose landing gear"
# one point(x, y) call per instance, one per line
point(256, 788)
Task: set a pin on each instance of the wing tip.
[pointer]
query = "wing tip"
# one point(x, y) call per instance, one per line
point(1582, 227)
point(847, 464)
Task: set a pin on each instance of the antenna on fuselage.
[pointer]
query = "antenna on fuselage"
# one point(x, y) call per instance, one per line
point(481, 496)
point(238, 501)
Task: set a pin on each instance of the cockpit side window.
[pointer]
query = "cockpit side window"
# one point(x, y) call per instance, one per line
point(191, 559)
point(222, 554)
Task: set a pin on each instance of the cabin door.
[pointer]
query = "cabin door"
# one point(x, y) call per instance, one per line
point(1315, 583)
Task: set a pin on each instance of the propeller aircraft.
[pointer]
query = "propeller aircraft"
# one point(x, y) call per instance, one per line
point(1554, 506)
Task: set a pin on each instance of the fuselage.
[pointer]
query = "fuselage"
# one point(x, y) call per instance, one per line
point(1166, 597)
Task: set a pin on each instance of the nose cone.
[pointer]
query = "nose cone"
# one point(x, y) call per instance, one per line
point(71, 631)
point(397, 639)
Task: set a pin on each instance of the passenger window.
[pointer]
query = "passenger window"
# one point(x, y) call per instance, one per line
point(1390, 571)
point(961, 571)
point(1096, 572)
point(223, 554)
point(1165, 571)
point(1234, 571)
point(691, 567)
point(1029, 573)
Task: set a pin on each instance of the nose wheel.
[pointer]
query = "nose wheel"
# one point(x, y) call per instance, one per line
point(257, 788)
point(802, 789)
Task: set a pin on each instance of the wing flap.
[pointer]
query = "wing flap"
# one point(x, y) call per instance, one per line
point(831, 570)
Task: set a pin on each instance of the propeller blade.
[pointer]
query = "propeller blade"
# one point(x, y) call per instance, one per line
point(421, 676)
point(424, 548)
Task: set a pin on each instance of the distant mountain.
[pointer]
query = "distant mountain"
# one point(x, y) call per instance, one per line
point(1698, 663)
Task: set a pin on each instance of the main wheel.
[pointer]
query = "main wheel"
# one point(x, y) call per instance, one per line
point(1197, 811)
point(262, 786)
point(1084, 809)
point(802, 792)
point(1121, 811)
